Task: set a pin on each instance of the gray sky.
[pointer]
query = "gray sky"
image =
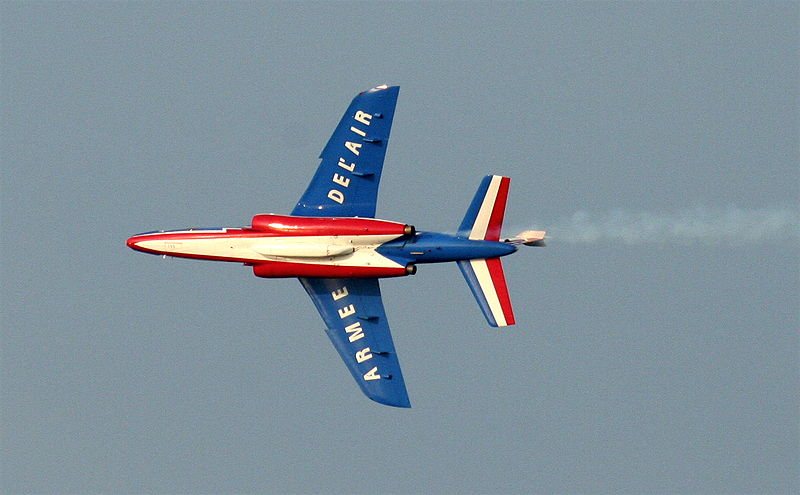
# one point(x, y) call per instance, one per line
point(658, 354)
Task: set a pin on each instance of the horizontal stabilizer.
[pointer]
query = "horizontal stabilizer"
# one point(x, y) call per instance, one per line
point(487, 281)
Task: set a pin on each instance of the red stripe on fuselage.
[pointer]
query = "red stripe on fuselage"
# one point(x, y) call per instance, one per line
point(498, 211)
point(199, 234)
point(499, 281)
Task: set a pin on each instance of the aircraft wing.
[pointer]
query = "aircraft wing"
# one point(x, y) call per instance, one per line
point(356, 324)
point(346, 182)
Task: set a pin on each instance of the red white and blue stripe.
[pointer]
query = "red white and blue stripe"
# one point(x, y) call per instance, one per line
point(485, 277)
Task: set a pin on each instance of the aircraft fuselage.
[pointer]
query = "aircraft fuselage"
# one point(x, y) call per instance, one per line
point(285, 246)
point(336, 248)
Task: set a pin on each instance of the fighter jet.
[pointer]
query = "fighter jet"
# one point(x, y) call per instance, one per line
point(335, 246)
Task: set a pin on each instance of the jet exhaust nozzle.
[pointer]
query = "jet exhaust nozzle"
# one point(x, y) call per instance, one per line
point(529, 238)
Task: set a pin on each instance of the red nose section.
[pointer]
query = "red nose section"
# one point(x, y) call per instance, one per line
point(133, 243)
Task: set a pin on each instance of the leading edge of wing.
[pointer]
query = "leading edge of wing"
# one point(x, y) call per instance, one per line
point(356, 324)
point(346, 181)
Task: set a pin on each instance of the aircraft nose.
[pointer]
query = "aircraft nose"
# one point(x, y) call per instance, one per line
point(132, 242)
point(135, 242)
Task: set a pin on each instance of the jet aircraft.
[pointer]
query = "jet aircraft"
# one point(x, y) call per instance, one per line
point(337, 248)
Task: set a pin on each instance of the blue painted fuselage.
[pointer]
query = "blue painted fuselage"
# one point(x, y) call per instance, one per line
point(432, 247)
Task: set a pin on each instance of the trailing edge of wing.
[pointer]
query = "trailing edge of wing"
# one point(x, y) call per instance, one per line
point(356, 324)
point(346, 181)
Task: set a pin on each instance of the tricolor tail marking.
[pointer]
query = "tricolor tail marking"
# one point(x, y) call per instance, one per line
point(488, 284)
point(484, 218)
point(485, 277)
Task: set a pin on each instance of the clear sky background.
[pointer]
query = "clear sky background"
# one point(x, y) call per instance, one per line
point(656, 348)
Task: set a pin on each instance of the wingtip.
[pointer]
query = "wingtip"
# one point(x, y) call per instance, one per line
point(381, 87)
point(401, 402)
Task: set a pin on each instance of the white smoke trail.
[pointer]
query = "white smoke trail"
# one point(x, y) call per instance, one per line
point(694, 225)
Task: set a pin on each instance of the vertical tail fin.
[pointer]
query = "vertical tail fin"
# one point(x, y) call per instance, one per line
point(484, 217)
point(485, 277)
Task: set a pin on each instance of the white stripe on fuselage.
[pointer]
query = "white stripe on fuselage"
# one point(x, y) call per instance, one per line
point(280, 248)
point(485, 213)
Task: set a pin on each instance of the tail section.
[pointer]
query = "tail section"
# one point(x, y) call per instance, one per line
point(483, 222)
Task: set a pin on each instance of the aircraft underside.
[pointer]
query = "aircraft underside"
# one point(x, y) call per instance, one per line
point(333, 244)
